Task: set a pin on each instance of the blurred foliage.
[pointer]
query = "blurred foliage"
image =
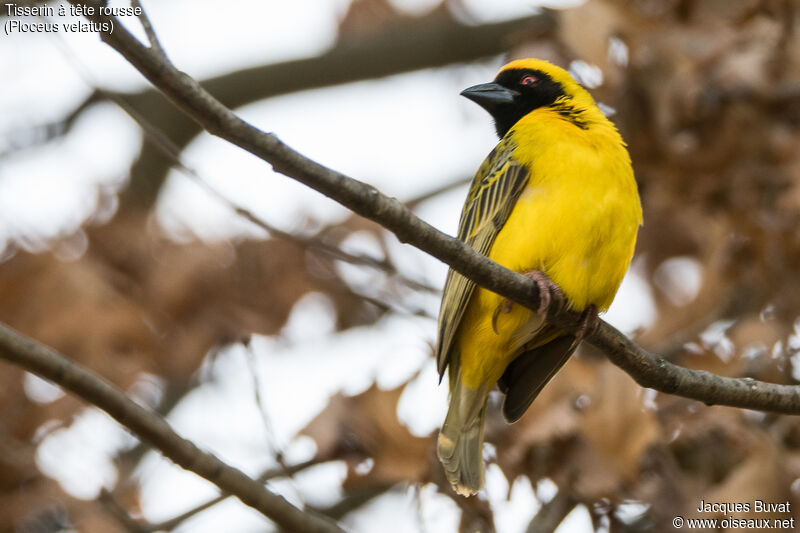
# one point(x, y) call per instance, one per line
point(707, 94)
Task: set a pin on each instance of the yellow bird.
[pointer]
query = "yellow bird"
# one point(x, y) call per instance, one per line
point(556, 200)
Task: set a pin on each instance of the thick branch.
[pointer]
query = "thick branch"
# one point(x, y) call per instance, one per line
point(154, 430)
point(647, 369)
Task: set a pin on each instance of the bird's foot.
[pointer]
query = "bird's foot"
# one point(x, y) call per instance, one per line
point(551, 299)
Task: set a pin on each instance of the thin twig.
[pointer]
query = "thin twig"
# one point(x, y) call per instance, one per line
point(266, 422)
point(155, 44)
point(353, 500)
point(412, 203)
point(647, 369)
point(272, 440)
point(552, 513)
point(112, 506)
point(288, 471)
point(137, 526)
point(17, 140)
point(172, 523)
point(419, 506)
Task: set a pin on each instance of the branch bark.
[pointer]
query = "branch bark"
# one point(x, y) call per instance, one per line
point(154, 430)
point(647, 369)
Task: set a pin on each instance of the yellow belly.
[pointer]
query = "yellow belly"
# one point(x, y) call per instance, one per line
point(577, 223)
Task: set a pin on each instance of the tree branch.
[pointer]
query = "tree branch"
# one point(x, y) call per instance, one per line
point(154, 430)
point(353, 500)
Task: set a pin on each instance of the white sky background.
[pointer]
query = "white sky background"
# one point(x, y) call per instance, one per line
point(404, 134)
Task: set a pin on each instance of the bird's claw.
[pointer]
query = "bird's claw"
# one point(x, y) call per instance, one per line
point(551, 299)
point(588, 322)
point(504, 307)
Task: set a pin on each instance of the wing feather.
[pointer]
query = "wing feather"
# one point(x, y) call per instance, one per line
point(492, 195)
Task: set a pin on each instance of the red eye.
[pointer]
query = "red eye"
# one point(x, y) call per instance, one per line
point(527, 81)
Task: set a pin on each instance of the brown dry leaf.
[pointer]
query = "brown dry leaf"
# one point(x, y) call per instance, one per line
point(587, 430)
point(762, 476)
point(365, 17)
point(790, 201)
point(791, 467)
point(586, 31)
point(552, 417)
point(364, 426)
point(619, 430)
point(368, 17)
point(707, 443)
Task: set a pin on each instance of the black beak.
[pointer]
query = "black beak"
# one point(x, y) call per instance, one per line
point(490, 95)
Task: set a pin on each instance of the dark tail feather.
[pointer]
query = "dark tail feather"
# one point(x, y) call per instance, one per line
point(529, 373)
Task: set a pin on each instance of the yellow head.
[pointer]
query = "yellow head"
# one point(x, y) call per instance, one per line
point(525, 85)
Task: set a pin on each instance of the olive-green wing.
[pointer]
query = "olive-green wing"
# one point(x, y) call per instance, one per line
point(492, 195)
